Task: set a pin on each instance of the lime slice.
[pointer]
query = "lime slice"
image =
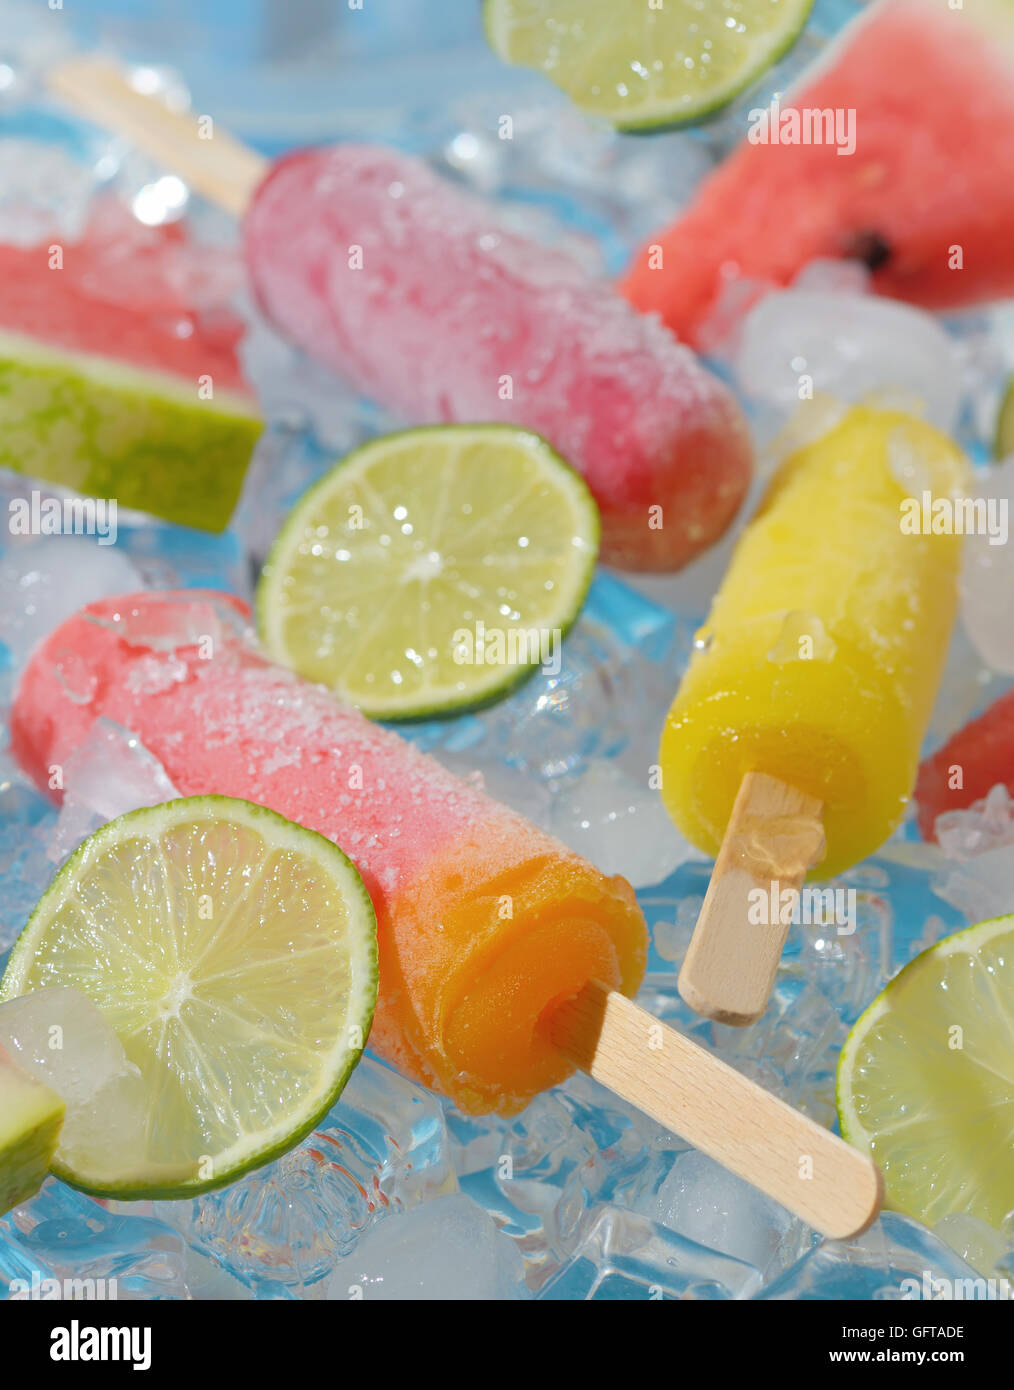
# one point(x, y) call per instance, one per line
point(926, 1079)
point(234, 954)
point(1003, 443)
point(431, 570)
point(641, 67)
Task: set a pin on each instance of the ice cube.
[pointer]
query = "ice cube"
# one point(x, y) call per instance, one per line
point(626, 1256)
point(966, 686)
point(832, 275)
point(46, 580)
point(26, 818)
point(476, 1140)
point(285, 463)
point(980, 1245)
point(180, 620)
point(809, 422)
point(547, 1173)
point(89, 1252)
point(987, 572)
point(705, 1203)
point(29, 48)
point(850, 959)
point(799, 342)
point(206, 1279)
point(985, 826)
point(981, 889)
point(619, 825)
point(897, 1257)
point(979, 843)
point(45, 193)
point(445, 1250)
point(299, 393)
point(280, 1229)
point(108, 774)
point(614, 685)
point(59, 1036)
point(672, 933)
point(541, 1173)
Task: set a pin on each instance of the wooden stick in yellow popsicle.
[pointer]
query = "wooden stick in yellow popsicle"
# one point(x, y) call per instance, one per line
point(775, 836)
point(753, 1133)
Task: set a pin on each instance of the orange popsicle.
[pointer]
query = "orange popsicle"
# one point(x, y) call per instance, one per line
point(484, 921)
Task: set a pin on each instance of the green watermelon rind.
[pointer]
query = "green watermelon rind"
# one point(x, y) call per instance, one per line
point(27, 1145)
point(1003, 439)
point(107, 429)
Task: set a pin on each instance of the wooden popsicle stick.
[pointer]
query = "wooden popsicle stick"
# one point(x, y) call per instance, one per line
point(780, 1151)
point(207, 158)
point(775, 835)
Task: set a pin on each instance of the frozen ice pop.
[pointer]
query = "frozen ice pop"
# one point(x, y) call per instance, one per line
point(968, 765)
point(502, 953)
point(446, 315)
point(483, 920)
point(817, 669)
point(414, 291)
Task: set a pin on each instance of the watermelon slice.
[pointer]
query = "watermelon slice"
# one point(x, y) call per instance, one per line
point(119, 374)
point(926, 198)
point(30, 1119)
point(968, 765)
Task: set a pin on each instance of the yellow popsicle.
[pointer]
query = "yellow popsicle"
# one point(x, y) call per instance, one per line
point(821, 657)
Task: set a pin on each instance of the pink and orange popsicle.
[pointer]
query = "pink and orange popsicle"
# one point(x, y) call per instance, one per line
point(484, 921)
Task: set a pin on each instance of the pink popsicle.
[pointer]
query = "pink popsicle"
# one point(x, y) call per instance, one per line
point(484, 921)
point(411, 289)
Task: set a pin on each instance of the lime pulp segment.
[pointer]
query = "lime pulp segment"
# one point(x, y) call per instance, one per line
point(641, 66)
point(234, 954)
point(431, 569)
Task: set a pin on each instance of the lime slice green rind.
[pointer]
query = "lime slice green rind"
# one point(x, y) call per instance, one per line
point(275, 1011)
point(925, 1080)
point(642, 69)
point(414, 538)
point(1003, 439)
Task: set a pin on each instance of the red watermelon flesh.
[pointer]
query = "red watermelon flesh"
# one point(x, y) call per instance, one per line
point(932, 89)
point(119, 375)
point(145, 296)
point(979, 756)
